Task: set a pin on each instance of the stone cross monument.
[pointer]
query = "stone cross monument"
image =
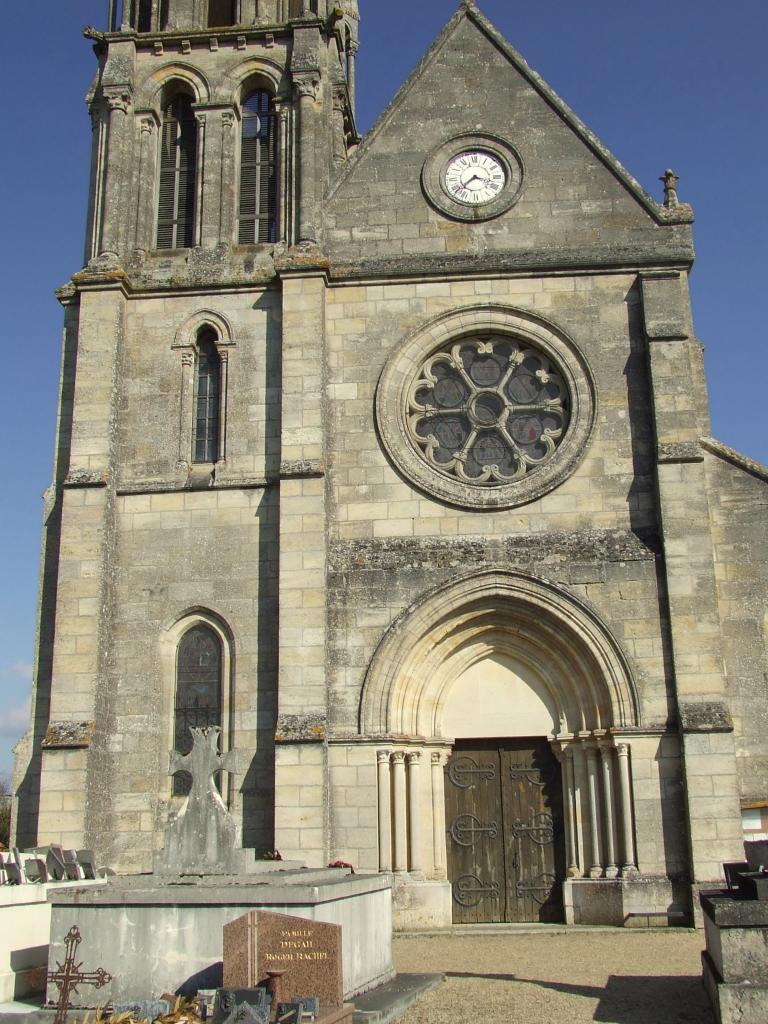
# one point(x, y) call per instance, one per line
point(203, 838)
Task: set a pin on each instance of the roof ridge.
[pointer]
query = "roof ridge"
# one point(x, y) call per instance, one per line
point(724, 451)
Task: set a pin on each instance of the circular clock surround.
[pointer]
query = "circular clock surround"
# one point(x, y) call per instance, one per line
point(486, 408)
point(474, 176)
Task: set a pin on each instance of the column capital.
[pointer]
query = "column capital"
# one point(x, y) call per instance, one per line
point(118, 97)
point(413, 756)
point(622, 749)
point(382, 756)
point(307, 84)
point(439, 757)
point(398, 757)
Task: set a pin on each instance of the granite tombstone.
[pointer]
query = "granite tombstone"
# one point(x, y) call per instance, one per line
point(308, 953)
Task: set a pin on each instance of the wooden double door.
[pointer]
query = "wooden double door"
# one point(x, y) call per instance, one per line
point(506, 854)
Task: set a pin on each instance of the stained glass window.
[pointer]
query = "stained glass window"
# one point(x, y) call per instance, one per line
point(488, 410)
point(198, 692)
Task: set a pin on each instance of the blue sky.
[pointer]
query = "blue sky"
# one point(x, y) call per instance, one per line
point(679, 85)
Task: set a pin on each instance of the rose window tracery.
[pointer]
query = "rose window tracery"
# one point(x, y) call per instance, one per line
point(488, 410)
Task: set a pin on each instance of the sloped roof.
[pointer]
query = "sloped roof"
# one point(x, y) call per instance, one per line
point(728, 454)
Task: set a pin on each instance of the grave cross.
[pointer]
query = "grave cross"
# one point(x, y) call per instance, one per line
point(68, 975)
point(203, 762)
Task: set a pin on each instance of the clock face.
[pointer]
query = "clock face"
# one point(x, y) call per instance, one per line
point(475, 178)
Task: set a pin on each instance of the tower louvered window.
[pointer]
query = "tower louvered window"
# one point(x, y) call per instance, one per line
point(178, 166)
point(141, 15)
point(257, 221)
point(207, 400)
point(221, 13)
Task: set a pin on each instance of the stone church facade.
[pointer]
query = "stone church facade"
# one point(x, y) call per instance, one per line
point(390, 457)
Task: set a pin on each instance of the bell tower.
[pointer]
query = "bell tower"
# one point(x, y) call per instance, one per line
point(211, 113)
point(218, 127)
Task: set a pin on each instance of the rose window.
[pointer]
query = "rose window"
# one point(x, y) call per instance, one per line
point(488, 410)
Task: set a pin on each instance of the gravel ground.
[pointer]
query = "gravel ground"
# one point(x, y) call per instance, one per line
point(617, 977)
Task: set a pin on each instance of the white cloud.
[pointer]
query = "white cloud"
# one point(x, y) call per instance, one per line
point(18, 670)
point(15, 720)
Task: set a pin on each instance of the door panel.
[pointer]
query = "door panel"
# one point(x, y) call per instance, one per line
point(475, 835)
point(504, 831)
point(531, 795)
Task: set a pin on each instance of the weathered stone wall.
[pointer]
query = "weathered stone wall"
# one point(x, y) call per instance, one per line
point(740, 530)
point(596, 532)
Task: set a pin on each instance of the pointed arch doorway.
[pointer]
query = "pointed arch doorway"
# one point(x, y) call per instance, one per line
point(522, 700)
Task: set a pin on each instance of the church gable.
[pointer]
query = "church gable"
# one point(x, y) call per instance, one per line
point(568, 199)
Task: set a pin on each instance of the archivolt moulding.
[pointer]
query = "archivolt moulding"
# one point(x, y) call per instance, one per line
point(185, 74)
point(186, 334)
point(586, 673)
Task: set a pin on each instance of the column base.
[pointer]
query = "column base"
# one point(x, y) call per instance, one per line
point(420, 905)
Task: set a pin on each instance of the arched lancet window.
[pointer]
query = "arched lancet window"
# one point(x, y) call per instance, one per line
point(178, 167)
point(221, 13)
point(257, 219)
point(164, 12)
point(207, 399)
point(198, 692)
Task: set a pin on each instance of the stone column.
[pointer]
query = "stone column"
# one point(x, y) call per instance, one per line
point(144, 226)
point(571, 844)
point(96, 189)
point(606, 755)
point(126, 22)
point(628, 867)
point(339, 143)
point(221, 455)
point(284, 231)
point(200, 211)
point(414, 802)
point(385, 810)
point(580, 803)
point(595, 868)
point(308, 91)
point(352, 72)
point(438, 815)
point(118, 104)
point(112, 17)
point(185, 409)
point(228, 201)
point(400, 812)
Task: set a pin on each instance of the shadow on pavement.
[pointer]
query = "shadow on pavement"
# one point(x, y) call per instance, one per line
point(643, 999)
